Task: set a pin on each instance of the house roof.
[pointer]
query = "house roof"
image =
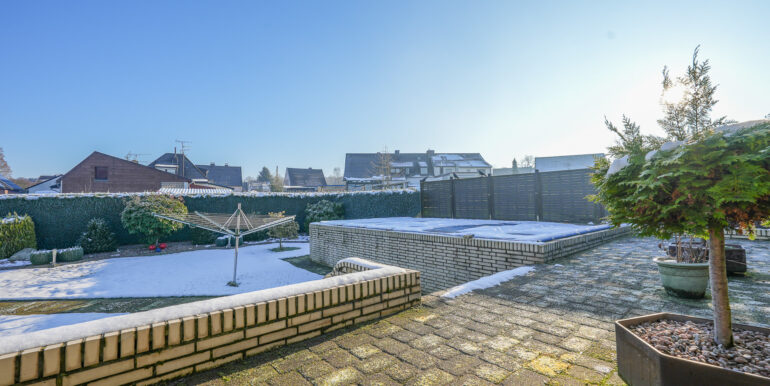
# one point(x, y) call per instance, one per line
point(304, 177)
point(364, 165)
point(7, 184)
point(44, 179)
point(190, 170)
point(224, 175)
point(566, 162)
point(118, 159)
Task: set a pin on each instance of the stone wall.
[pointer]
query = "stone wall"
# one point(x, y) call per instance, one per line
point(443, 261)
point(166, 343)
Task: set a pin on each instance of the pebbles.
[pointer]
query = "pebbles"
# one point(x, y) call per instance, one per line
point(695, 341)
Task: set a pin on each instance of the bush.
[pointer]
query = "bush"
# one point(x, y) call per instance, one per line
point(284, 231)
point(257, 236)
point(138, 217)
point(65, 255)
point(98, 237)
point(228, 241)
point(60, 220)
point(200, 236)
point(16, 233)
point(323, 210)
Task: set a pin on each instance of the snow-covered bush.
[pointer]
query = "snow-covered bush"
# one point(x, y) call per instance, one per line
point(323, 210)
point(16, 233)
point(98, 237)
point(45, 256)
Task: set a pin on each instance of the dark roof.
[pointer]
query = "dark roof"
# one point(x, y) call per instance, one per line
point(44, 179)
point(7, 184)
point(223, 175)
point(190, 170)
point(98, 154)
point(364, 165)
point(304, 177)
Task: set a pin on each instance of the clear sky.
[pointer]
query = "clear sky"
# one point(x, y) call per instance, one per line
point(301, 83)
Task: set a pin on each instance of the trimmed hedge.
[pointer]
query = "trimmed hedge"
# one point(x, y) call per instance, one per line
point(59, 220)
point(16, 233)
point(62, 256)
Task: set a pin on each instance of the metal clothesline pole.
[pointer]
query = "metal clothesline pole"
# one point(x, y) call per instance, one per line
point(237, 236)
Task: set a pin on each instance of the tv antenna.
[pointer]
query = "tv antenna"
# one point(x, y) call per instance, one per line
point(131, 156)
point(183, 147)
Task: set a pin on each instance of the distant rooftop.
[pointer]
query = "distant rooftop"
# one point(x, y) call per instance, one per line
point(566, 162)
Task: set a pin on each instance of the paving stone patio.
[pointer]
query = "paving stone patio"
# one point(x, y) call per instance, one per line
point(553, 325)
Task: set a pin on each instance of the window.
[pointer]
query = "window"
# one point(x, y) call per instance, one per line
point(100, 173)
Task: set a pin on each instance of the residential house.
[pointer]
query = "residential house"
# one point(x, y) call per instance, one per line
point(100, 172)
point(367, 171)
point(566, 162)
point(223, 175)
point(309, 179)
point(179, 165)
point(8, 187)
point(46, 184)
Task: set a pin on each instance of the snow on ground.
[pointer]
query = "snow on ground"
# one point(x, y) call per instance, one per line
point(20, 324)
point(486, 281)
point(525, 231)
point(195, 273)
point(10, 264)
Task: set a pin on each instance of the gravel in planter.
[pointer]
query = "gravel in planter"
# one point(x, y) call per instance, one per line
point(695, 341)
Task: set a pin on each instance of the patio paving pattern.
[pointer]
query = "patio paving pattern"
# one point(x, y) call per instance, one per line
point(552, 326)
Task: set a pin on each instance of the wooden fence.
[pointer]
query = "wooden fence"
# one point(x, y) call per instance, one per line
point(558, 196)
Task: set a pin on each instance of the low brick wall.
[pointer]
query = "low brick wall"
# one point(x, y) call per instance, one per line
point(444, 261)
point(759, 234)
point(166, 343)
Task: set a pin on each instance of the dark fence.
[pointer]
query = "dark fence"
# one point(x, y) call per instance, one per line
point(548, 196)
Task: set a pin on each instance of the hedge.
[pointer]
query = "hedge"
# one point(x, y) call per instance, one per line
point(16, 233)
point(62, 255)
point(60, 219)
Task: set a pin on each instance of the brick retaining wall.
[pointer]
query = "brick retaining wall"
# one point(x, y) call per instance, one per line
point(158, 351)
point(444, 261)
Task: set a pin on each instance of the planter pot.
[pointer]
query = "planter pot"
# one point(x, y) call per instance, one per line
point(639, 363)
point(685, 280)
point(735, 257)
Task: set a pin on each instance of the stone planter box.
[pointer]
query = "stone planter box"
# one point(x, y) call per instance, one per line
point(639, 363)
point(735, 257)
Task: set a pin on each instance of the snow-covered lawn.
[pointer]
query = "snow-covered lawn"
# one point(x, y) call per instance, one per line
point(195, 273)
point(525, 231)
point(486, 281)
point(20, 324)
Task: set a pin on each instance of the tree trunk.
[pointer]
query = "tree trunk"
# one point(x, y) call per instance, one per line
point(723, 333)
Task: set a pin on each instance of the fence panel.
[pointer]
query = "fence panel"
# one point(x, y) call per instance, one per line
point(471, 198)
point(514, 197)
point(549, 196)
point(436, 199)
point(564, 196)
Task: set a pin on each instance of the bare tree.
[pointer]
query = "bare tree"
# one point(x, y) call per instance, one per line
point(335, 178)
point(381, 167)
point(5, 170)
point(527, 161)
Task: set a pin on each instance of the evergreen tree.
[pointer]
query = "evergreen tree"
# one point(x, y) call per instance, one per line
point(264, 175)
point(690, 117)
point(630, 139)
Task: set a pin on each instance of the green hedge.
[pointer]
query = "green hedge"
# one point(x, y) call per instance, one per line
point(59, 220)
point(16, 233)
point(62, 255)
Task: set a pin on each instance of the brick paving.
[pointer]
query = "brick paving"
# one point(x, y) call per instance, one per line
point(553, 325)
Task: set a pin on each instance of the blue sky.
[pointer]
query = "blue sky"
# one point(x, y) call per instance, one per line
point(300, 83)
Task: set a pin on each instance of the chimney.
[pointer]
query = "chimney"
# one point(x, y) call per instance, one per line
point(225, 164)
point(397, 152)
point(430, 153)
point(212, 164)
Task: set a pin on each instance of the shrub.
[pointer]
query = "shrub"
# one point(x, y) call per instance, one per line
point(323, 210)
point(721, 180)
point(16, 233)
point(200, 236)
point(257, 236)
point(98, 237)
point(138, 217)
point(288, 230)
point(228, 241)
point(65, 255)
